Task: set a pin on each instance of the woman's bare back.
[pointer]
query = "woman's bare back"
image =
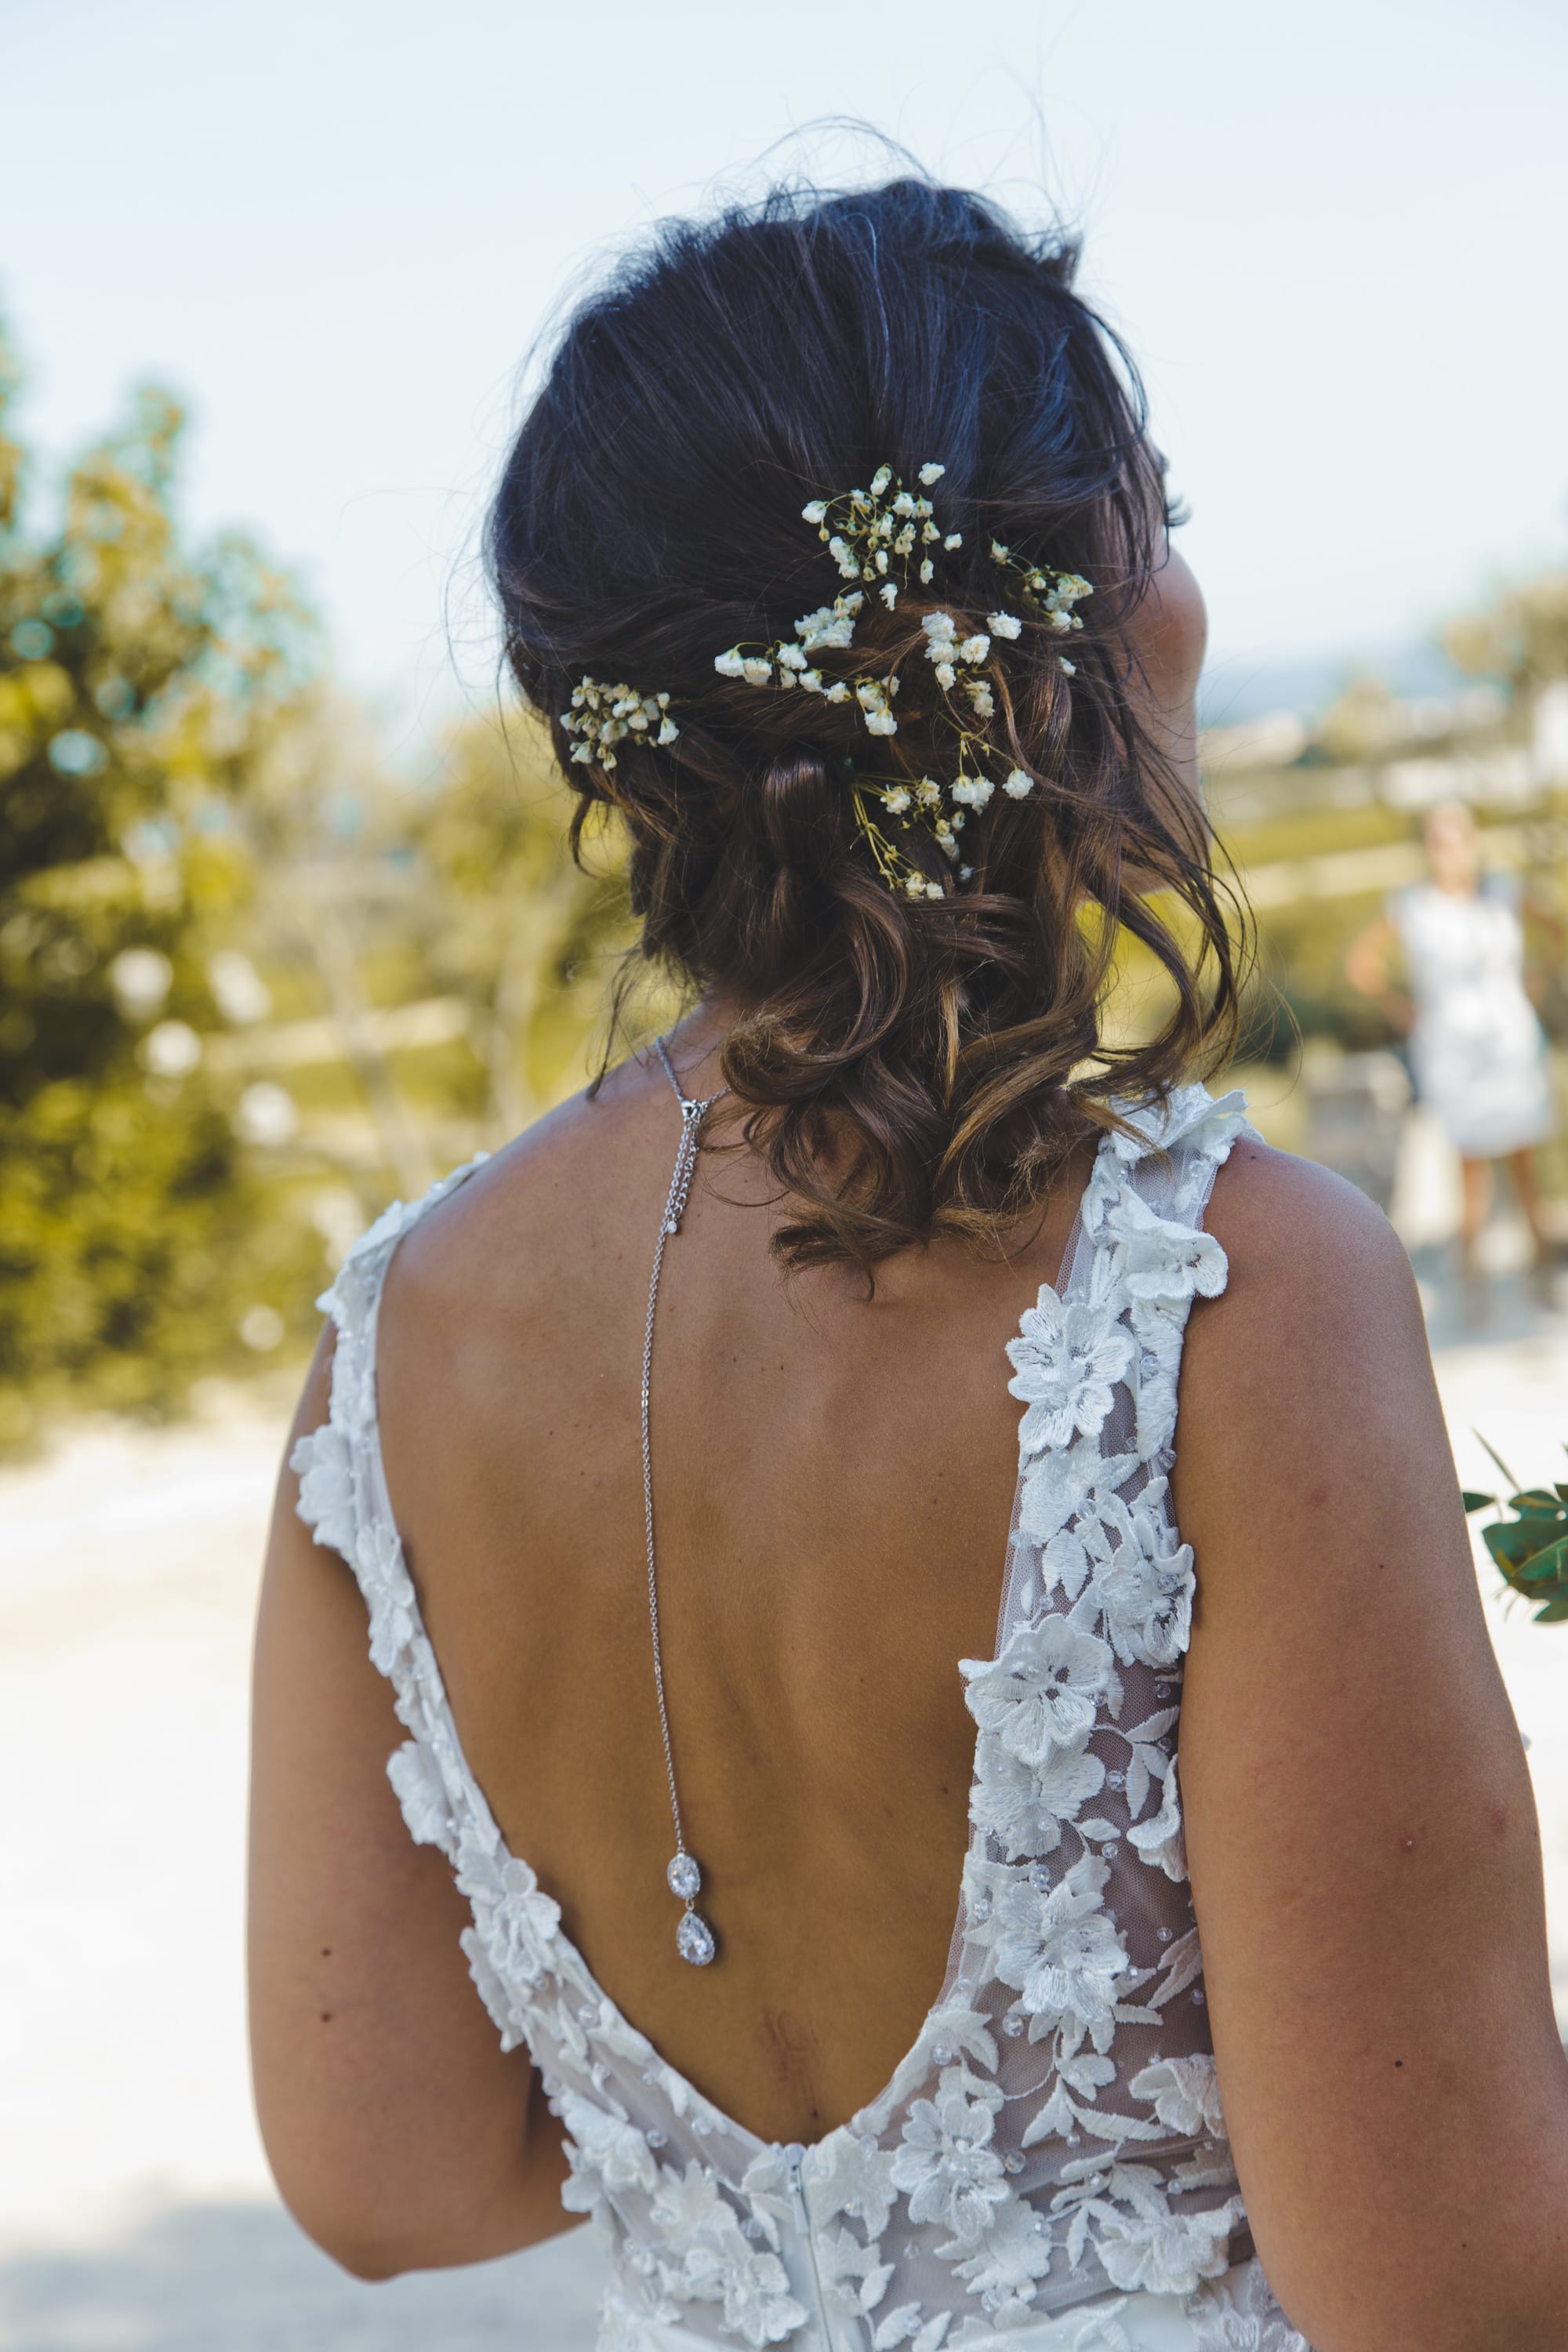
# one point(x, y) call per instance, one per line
point(833, 1482)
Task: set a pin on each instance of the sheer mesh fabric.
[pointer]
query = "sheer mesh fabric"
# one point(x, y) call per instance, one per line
point(1049, 2165)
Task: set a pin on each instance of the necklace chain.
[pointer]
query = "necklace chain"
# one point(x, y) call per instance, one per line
point(694, 1938)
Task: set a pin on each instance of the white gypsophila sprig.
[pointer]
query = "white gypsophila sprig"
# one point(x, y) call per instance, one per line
point(882, 535)
point(602, 716)
point(789, 661)
point(880, 538)
point(884, 541)
point(1051, 595)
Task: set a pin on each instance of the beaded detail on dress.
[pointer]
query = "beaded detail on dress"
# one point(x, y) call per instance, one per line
point(1053, 2142)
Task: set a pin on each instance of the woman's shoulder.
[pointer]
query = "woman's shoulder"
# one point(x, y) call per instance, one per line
point(537, 1204)
point(1320, 1309)
point(1270, 1209)
point(530, 1274)
point(1285, 1224)
point(1307, 1250)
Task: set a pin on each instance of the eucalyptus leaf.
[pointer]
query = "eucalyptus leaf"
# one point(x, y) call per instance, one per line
point(1511, 1542)
point(1497, 1457)
point(1536, 1503)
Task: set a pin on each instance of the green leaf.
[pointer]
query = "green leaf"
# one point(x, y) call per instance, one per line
point(1536, 1503)
point(1554, 1612)
point(1473, 1501)
point(1497, 1457)
point(1511, 1543)
point(1551, 1560)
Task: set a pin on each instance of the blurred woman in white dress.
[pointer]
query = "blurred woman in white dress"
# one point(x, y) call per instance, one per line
point(1476, 1047)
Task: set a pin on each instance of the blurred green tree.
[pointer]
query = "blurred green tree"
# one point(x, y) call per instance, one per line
point(528, 937)
point(1521, 636)
point(140, 685)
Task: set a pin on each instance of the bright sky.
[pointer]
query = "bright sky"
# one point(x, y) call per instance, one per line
point(1334, 237)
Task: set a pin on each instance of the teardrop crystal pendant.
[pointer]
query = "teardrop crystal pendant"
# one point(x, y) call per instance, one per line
point(694, 1940)
point(684, 1876)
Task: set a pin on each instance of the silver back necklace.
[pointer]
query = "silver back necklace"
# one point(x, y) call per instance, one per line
point(694, 1938)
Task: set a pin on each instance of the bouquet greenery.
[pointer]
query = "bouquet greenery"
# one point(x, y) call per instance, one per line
point(1531, 1549)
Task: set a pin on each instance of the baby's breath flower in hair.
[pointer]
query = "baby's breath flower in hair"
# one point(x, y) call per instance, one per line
point(972, 792)
point(831, 624)
point(1052, 594)
point(868, 533)
point(602, 716)
point(887, 538)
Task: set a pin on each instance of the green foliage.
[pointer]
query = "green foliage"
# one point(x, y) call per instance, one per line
point(1521, 636)
point(1530, 1550)
point(139, 684)
point(528, 937)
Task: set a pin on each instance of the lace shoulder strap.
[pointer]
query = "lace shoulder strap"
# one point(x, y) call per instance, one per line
point(353, 1298)
point(1144, 1252)
point(344, 1500)
point(514, 1941)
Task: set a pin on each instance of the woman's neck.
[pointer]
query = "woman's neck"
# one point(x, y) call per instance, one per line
point(697, 1041)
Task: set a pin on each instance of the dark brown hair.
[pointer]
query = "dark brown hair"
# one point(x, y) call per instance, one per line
point(909, 1067)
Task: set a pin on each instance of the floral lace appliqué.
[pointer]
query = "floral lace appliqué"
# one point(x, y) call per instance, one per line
point(1052, 2148)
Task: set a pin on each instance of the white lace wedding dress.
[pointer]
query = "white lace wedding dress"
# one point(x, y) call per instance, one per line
point(1047, 2170)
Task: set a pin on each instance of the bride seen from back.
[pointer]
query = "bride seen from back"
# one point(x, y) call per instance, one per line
point(1117, 1886)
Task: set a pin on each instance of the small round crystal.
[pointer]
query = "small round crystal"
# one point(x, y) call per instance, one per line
point(684, 1876)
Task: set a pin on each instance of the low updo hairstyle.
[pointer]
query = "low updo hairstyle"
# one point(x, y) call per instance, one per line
point(906, 1066)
